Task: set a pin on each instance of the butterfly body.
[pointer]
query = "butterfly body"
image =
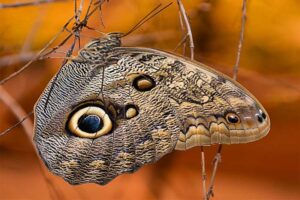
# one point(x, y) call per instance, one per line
point(114, 109)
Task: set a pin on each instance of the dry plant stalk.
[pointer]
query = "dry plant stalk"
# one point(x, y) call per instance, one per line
point(240, 45)
point(217, 158)
point(216, 161)
point(185, 25)
point(203, 173)
point(16, 58)
point(12, 104)
point(25, 121)
point(29, 3)
point(18, 111)
point(76, 30)
point(184, 21)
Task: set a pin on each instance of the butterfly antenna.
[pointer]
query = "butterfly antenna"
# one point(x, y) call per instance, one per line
point(149, 16)
point(141, 20)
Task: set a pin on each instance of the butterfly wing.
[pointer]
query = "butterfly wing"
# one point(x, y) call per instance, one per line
point(144, 123)
point(131, 106)
point(211, 107)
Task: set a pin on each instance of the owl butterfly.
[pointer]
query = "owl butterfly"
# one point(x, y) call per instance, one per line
point(113, 109)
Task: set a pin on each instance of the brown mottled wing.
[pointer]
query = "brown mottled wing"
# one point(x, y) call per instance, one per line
point(174, 103)
point(131, 144)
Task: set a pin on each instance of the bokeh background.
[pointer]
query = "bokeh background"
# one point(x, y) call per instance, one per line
point(270, 61)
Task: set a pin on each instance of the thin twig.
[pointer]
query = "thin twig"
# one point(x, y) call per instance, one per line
point(203, 174)
point(182, 42)
point(17, 124)
point(185, 24)
point(188, 27)
point(238, 56)
point(29, 3)
point(57, 47)
point(25, 55)
point(33, 31)
point(25, 121)
point(217, 160)
point(77, 20)
point(184, 35)
point(69, 53)
point(149, 16)
point(16, 58)
point(18, 111)
point(36, 57)
point(149, 37)
point(101, 16)
point(76, 28)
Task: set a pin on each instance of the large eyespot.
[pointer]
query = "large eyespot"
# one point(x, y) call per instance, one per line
point(232, 118)
point(90, 122)
point(143, 83)
point(131, 111)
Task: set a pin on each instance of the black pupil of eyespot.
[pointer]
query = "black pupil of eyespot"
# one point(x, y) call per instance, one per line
point(264, 115)
point(260, 118)
point(90, 123)
point(232, 118)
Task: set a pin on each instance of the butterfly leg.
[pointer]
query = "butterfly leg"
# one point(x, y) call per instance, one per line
point(216, 162)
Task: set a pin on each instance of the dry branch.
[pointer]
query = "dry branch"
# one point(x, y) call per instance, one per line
point(203, 173)
point(29, 3)
point(16, 58)
point(24, 120)
point(217, 158)
point(77, 27)
point(238, 56)
point(34, 59)
point(18, 111)
point(189, 34)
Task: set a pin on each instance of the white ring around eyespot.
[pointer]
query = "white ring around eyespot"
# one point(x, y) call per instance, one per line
point(90, 110)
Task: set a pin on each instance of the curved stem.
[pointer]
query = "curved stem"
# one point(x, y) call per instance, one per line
point(18, 111)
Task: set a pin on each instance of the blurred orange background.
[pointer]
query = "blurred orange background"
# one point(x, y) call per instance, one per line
point(269, 68)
